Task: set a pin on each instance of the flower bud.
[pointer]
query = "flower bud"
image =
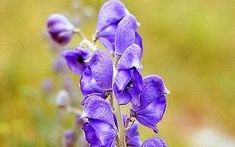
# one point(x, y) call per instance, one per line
point(69, 138)
point(60, 29)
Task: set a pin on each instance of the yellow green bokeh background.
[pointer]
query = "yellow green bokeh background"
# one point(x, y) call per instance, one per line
point(190, 43)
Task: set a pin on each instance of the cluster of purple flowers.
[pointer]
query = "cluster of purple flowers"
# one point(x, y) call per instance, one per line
point(111, 79)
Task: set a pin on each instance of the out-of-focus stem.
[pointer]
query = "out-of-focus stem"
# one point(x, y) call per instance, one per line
point(74, 110)
point(79, 32)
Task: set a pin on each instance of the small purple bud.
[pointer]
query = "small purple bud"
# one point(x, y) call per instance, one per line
point(69, 138)
point(59, 65)
point(60, 29)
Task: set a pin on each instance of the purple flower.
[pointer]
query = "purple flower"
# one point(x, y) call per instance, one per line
point(132, 134)
point(154, 142)
point(77, 59)
point(99, 134)
point(128, 82)
point(60, 29)
point(128, 86)
point(152, 102)
point(100, 130)
point(116, 28)
point(97, 78)
point(95, 107)
point(110, 13)
point(69, 138)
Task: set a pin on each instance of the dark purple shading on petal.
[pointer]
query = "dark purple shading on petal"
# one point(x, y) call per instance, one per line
point(154, 142)
point(77, 59)
point(95, 107)
point(111, 12)
point(130, 58)
point(59, 28)
point(90, 133)
point(127, 86)
point(125, 34)
point(150, 115)
point(99, 133)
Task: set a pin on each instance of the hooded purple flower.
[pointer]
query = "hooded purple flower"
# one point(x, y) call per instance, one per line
point(154, 142)
point(116, 27)
point(77, 59)
point(99, 134)
point(132, 134)
point(128, 82)
point(152, 102)
point(100, 130)
point(97, 78)
point(95, 107)
point(60, 29)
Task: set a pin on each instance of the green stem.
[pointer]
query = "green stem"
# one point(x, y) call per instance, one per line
point(121, 139)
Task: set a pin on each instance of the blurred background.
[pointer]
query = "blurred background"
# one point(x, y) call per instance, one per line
point(190, 43)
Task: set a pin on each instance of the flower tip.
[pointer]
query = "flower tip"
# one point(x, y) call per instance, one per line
point(155, 130)
point(84, 115)
point(167, 91)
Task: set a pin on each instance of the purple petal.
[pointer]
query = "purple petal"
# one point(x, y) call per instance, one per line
point(57, 18)
point(138, 41)
point(102, 69)
point(134, 142)
point(108, 31)
point(122, 79)
point(154, 142)
point(132, 134)
point(89, 85)
point(136, 89)
point(90, 133)
point(108, 43)
point(123, 97)
point(77, 59)
point(130, 58)
point(99, 133)
point(107, 37)
point(111, 12)
point(95, 107)
point(153, 88)
point(125, 34)
point(152, 113)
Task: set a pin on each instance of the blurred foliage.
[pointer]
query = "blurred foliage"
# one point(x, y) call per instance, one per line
point(189, 42)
